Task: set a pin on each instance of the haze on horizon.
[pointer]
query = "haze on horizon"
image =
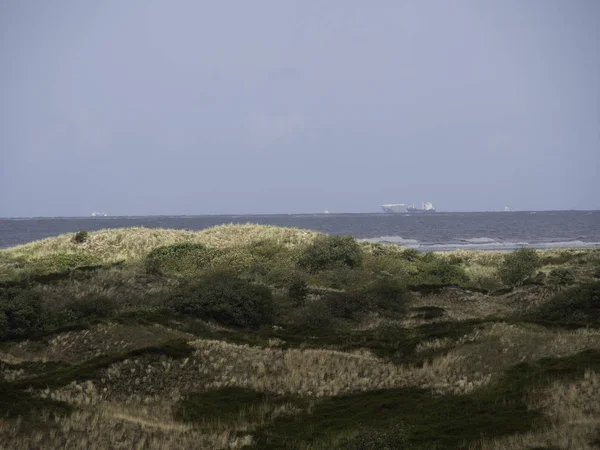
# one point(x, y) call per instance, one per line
point(186, 107)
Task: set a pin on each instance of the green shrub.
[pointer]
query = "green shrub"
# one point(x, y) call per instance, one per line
point(410, 254)
point(93, 307)
point(226, 299)
point(298, 291)
point(328, 252)
point(488, 283)
point(561, 276)
point(388, 265)
point(539, 278)
point(346, 305)
point(519, 266)
point(341, 278)
point(81, 237)
point(579, 305)
point(434, 271)
point(315, 314)
point(392, 438)
point(385, 295)
point(21, 313)
point(61, 262)
point(185, 259)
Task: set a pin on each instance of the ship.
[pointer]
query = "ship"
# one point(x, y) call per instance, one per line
point(399, 208)
point(394, 208)
point(99, 214)
point(426, 208)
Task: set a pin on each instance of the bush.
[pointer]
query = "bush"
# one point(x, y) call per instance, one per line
point(439, 272)
point(94, 307)
point(298, 291)
point(561, 276)
point(410, 254)
point(21, 313)
point(81, 237)
point(393, 438)
point(226, 299)
point(185, 259)
point(345, 305)
point(519, 266)
point(488, 283)
point(328, 252)
point(579, 305)
point(61, 262)
point(315, 314)
point(385, 295)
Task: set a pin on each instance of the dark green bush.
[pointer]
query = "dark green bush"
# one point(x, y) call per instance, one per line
point(346, 305)
point(21, 313)
point(313, 315)
point(434, 271)
point(385, 295)
point(392, 438)
point(81, 237)
point(298, 291)
point(488, 283)
point(410, 254)
point(561, 276)
point(185, 259)
point(328, 252)
point(539, 278)
point(579, 305)
point(225, 404)
point(93, 307)
point(519, 266)
point(226, 299)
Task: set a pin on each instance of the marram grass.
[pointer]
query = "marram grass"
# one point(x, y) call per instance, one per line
point(463, 367)
point(134, 243)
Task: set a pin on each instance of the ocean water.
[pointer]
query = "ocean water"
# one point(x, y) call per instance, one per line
point(431, 232)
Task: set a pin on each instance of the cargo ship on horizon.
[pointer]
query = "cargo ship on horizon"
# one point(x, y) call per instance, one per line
point(399, 208)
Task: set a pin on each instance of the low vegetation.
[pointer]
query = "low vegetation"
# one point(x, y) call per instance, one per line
point(273, 338)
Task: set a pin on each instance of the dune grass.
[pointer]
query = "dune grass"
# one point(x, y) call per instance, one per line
point(144, 337)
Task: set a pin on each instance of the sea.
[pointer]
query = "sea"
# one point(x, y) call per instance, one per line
point(494, 231)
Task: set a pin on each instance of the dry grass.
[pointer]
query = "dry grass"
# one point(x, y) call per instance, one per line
point(133, 243)
point(107, 427)
point(498, 346)
point(308, 373)
point(131, 401)
point(574, 411)
point(78, 346)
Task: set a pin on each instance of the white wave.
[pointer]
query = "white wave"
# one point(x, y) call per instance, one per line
point(485, 244)
point(399, 240)
point(479, 240)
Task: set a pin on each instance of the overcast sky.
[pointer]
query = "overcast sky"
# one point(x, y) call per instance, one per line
point(196, 107)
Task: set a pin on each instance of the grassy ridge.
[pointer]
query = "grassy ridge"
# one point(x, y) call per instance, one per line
point(267, 337)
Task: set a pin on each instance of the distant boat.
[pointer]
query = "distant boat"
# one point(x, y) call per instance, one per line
point(396, 208)
point(99, 214)
point(425, 208)
point(506, 208)
point(326, 212)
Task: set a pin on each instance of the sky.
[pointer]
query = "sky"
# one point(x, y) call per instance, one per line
point(233, 107)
